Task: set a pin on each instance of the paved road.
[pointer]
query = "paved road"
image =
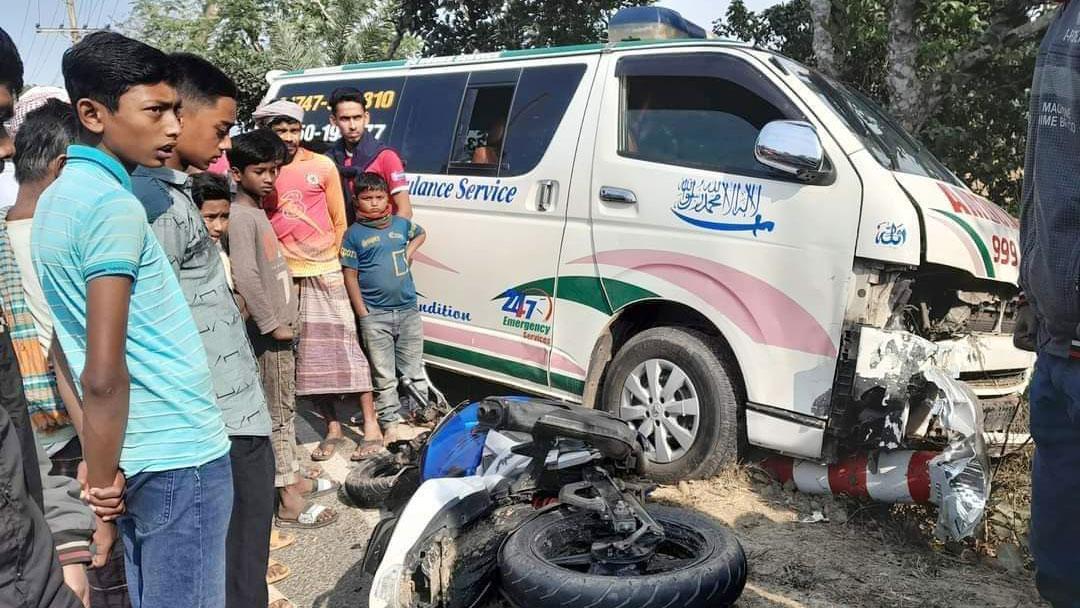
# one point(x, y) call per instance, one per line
point(325, 563)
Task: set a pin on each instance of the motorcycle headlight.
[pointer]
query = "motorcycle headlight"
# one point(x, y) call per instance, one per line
point(386, 588)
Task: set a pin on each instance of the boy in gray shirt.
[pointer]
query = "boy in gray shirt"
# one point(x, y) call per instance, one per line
point(261, 277)
point(209, 111)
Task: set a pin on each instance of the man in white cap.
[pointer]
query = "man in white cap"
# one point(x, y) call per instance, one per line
point(28, 102)
point(307, 212)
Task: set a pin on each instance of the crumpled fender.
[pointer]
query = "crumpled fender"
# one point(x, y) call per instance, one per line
point(439, 503)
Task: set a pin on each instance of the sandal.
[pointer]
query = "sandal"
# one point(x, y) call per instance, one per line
point(321, 487)
point(276, 571)
point(326, 448)
point(278, 599)
point(313, 516)
point(367, 449)
point(280, 540)
point(312, 472)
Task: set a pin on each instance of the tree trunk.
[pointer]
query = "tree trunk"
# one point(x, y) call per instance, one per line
point(824, 48)
point(405, 18)
point(902, 79)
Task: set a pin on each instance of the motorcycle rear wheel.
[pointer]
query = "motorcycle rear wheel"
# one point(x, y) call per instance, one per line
point(700, 564)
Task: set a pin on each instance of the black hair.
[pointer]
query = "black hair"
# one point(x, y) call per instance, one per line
point(44, 135)
point(343, 94)
point(207, 186)
point(201, 81)
point(255, 147)
point(370, 181)
point(11, 70)
point(105, 65)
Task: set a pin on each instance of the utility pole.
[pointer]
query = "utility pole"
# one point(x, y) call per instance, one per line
point(73, 21)
point(73, 28)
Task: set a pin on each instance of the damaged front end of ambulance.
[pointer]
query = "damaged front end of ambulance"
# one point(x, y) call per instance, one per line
point(929, 383)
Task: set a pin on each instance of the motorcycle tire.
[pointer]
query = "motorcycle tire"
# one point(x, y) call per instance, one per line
point(369, 482)
point(705, 564)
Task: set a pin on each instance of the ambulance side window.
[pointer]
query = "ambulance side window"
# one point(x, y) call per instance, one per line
point(508, 118)
point(423, 127)
point(482, 123)
point(697, 111)
point(543, 94)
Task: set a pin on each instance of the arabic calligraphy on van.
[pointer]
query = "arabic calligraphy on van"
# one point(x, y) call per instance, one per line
point(719, 204)
point(891, 234)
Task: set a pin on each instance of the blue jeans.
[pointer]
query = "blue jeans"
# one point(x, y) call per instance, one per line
point(1055, 479)
point(174, 536)
point(394, 342)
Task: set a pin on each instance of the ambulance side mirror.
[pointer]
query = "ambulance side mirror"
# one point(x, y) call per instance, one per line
point(792, 147)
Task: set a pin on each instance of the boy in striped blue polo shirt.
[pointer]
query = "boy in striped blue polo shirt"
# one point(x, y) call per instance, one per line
point(127, 332)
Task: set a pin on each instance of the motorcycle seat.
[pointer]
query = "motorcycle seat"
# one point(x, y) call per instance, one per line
point(548, 420)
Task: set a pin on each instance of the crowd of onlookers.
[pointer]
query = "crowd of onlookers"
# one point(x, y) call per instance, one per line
point(168, 290)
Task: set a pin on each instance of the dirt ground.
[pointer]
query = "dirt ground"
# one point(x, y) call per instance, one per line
point(863, 556)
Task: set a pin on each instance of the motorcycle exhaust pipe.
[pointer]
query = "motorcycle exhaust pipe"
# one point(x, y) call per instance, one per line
point(900, 476)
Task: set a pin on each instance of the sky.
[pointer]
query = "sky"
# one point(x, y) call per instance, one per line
point(41, 53)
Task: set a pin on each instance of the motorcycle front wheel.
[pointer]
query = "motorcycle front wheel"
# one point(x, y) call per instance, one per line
point(547, 562)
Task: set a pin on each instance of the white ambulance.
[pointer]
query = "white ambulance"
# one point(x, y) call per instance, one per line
point(692, 233)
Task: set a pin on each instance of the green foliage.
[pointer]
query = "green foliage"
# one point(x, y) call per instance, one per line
point(248, 38)
point(783, 27)
point(453, 27)
point(979, 127)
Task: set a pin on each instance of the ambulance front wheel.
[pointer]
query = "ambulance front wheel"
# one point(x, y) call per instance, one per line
point(677, 389)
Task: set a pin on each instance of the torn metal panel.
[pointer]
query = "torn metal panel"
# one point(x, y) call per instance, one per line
point(960, 474)
point(907, 383)
point(888, 381)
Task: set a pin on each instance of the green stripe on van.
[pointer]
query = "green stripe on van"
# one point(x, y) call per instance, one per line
point(495, 364)
point(510, 368)
point(622, 293)
point(374, 65)
point(587, 291)
point(979, 243)
point(568, 384)
point(551, 50)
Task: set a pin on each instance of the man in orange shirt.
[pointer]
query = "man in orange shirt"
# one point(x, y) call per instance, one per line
point(307, 212)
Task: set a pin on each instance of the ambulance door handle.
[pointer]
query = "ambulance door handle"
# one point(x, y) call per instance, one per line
point(610, 194)
point(545, 198)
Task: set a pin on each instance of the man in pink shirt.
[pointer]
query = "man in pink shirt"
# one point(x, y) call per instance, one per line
point(359, 152)
point(307, 212)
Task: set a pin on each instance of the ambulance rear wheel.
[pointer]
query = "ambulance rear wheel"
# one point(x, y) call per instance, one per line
point(675, 388)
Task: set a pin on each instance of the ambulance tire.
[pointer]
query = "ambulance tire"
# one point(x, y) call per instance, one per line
point(713, 376)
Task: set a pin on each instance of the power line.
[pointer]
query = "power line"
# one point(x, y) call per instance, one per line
point(26, 15)
point(88, 13)
point(112, 13)
point(48, 46)
point(100, 11)
point(73, 28)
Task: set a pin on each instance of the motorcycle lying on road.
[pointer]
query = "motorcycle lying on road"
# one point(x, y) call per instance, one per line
point(542, 502)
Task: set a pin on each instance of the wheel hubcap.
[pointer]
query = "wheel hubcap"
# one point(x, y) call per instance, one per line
point(660, 402)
